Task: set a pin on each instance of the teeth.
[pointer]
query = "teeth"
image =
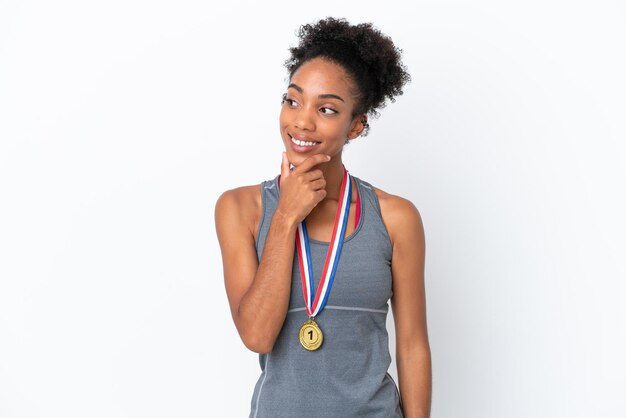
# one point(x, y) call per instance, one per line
point(302, 143)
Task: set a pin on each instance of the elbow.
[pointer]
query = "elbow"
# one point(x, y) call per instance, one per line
point(254, 335)
point(258, 346)
point(257, 343)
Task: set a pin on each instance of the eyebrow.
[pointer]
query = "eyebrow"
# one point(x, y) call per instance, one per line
point(321, 96)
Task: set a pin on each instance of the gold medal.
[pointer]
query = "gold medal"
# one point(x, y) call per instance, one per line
point(311, 336)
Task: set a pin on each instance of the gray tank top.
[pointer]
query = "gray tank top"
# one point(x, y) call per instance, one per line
point(347, 376)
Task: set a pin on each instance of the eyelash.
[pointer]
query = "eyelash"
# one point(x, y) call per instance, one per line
point(285, 99)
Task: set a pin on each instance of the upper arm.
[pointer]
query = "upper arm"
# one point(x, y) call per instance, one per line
point(404, 224)
point(233, 219)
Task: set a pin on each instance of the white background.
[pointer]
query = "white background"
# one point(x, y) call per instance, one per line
point(121, 122)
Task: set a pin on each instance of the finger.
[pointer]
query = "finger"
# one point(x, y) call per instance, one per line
point(321, 194)
point(318, 184)
point(313, 175)
point(312, 161)
point(284, 167)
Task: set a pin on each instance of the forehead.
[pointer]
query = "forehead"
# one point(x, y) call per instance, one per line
point(319, 76)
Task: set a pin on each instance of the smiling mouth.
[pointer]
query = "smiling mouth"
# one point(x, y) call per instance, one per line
point(303, 143)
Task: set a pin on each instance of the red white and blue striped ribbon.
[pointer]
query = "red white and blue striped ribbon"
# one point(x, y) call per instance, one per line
point(314, 304)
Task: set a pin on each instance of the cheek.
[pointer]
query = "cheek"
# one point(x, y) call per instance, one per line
point(342, 128)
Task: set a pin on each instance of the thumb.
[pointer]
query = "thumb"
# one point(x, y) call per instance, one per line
point(284, 167)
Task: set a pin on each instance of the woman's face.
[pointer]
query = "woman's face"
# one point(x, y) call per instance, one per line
point(317, 108)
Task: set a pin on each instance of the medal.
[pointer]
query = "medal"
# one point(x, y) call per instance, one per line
point(310, 334)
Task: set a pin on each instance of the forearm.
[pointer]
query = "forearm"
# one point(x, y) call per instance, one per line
point(415, 377)
point(263, 307)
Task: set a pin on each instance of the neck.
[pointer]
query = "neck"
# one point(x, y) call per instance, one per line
point(333, 174)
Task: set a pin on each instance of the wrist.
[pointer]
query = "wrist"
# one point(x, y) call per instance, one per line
point(284, 219)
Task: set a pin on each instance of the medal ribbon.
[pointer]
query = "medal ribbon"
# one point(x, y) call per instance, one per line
point(315, 304)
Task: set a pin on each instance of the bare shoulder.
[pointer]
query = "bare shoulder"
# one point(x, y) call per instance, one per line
point(400, 216)
point(243, 194)
point(241, 204)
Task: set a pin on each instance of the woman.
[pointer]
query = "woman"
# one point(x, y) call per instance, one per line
point(312, 257)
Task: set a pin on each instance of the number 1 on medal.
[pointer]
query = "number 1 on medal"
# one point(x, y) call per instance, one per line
point(316, 337)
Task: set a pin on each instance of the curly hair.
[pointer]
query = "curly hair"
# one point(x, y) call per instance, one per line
point(367, 55)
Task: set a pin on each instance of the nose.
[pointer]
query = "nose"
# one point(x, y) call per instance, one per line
point(304, 119)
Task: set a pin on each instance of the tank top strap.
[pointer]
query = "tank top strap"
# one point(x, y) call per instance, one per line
point(269, 202)
point(370, 209)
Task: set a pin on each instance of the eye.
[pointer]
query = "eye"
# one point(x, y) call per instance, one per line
point(287, 100)
point(332, 111)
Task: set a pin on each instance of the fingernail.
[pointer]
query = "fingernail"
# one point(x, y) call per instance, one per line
point(327, 157)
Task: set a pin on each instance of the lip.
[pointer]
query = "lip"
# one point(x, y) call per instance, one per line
point(302, 137)
point(302, 149)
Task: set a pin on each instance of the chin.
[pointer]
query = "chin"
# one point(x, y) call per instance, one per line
point(295, 158)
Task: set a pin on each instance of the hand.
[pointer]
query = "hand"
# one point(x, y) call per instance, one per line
point(301, 189)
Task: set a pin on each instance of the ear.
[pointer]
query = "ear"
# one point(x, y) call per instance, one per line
point(357, 126)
